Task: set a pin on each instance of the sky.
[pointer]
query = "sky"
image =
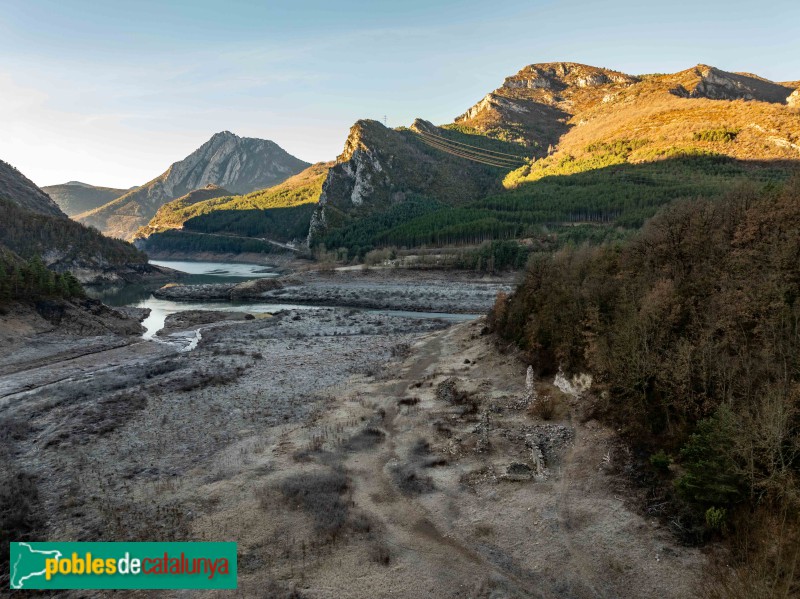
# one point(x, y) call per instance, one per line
point(111, 93)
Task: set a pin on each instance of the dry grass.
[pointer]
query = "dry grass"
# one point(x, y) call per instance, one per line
point(551, 404)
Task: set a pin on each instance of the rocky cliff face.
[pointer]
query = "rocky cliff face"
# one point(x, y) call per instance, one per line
point(380, 167)
point(16, 187)
point(534, 105)
point(239, 164)
point(794, 99)
point(704, 81)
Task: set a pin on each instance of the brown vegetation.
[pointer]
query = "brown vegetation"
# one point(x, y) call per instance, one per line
point(692, 331)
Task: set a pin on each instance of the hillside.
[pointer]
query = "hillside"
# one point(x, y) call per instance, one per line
point(605, 151)
point(29, 280)
point(76, 197)
point(238, 164)
point(32, 228)
point(534, 105)
point(17, 188)
point(382, 168)
point(170, 215)
point(690, 332)
point(280, 213)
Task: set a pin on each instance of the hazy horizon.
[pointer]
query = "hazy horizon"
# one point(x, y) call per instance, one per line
point(112, 95)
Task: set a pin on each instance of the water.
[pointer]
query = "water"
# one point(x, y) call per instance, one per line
point(211, 272)
point(141, 296)
point(160, 309)
point(196, 273)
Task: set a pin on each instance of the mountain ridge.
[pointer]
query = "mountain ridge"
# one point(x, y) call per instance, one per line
point(32, 227)
point(567, 118)
point(17, 188)
point(240, 164)
point(75, 197)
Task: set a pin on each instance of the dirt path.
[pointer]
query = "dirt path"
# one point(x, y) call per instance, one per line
point(445, 520)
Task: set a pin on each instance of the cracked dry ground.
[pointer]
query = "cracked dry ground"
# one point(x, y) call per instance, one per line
point(394, 491)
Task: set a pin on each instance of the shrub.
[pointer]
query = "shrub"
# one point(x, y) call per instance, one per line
point(715, 135)
point(547, 406)
point(321, 495)
point(660, 461)
point(712, 475)
point(409, 481)
point(716, 518)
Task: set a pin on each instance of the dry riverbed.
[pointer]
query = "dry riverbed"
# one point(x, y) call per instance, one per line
point(349, 454)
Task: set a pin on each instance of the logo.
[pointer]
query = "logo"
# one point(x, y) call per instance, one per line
point(123, 566)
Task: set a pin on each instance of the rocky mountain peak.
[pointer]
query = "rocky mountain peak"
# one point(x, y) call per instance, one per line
point(558, 76)
point(705, 81)
point(238, 164)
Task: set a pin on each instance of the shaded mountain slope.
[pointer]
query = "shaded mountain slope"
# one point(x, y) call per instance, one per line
point(76, 197)
point(32, 226)
point(17, 188)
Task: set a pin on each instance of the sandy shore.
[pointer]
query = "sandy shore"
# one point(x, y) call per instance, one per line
point(350, 454)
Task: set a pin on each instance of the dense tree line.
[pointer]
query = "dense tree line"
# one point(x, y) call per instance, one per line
point(616, 197)
point(31, 280)
point(361, 233)
point(278, 224)
point(187, 241)
point(29, 234)
point(494, 256)
point(692, 332)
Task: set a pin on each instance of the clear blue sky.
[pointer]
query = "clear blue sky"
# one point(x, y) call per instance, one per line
point(113, 92)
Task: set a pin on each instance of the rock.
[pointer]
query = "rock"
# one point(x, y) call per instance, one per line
point(137, 314)
point(205, 292)
point(794, 99)
point(191, 319)
point(576, 385)
point(530, 389)
point(87, 317)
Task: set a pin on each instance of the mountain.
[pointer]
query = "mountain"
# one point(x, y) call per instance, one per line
point(169, 215)
point(33, 227)
point(76, 197)
point(239, 164)
point(557, 152)
point(218, 224)
point(17, 188)
point(535, 104)
point(382, 168)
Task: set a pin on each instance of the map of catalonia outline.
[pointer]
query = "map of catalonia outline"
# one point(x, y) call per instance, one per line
point(17, 581)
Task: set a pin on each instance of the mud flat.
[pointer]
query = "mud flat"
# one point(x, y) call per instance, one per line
point(350, 454)
point(379, 289)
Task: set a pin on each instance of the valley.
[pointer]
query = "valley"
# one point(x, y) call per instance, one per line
point(348, 452)
point(549, 349)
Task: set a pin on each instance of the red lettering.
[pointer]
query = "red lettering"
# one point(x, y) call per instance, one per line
point(152, 570)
